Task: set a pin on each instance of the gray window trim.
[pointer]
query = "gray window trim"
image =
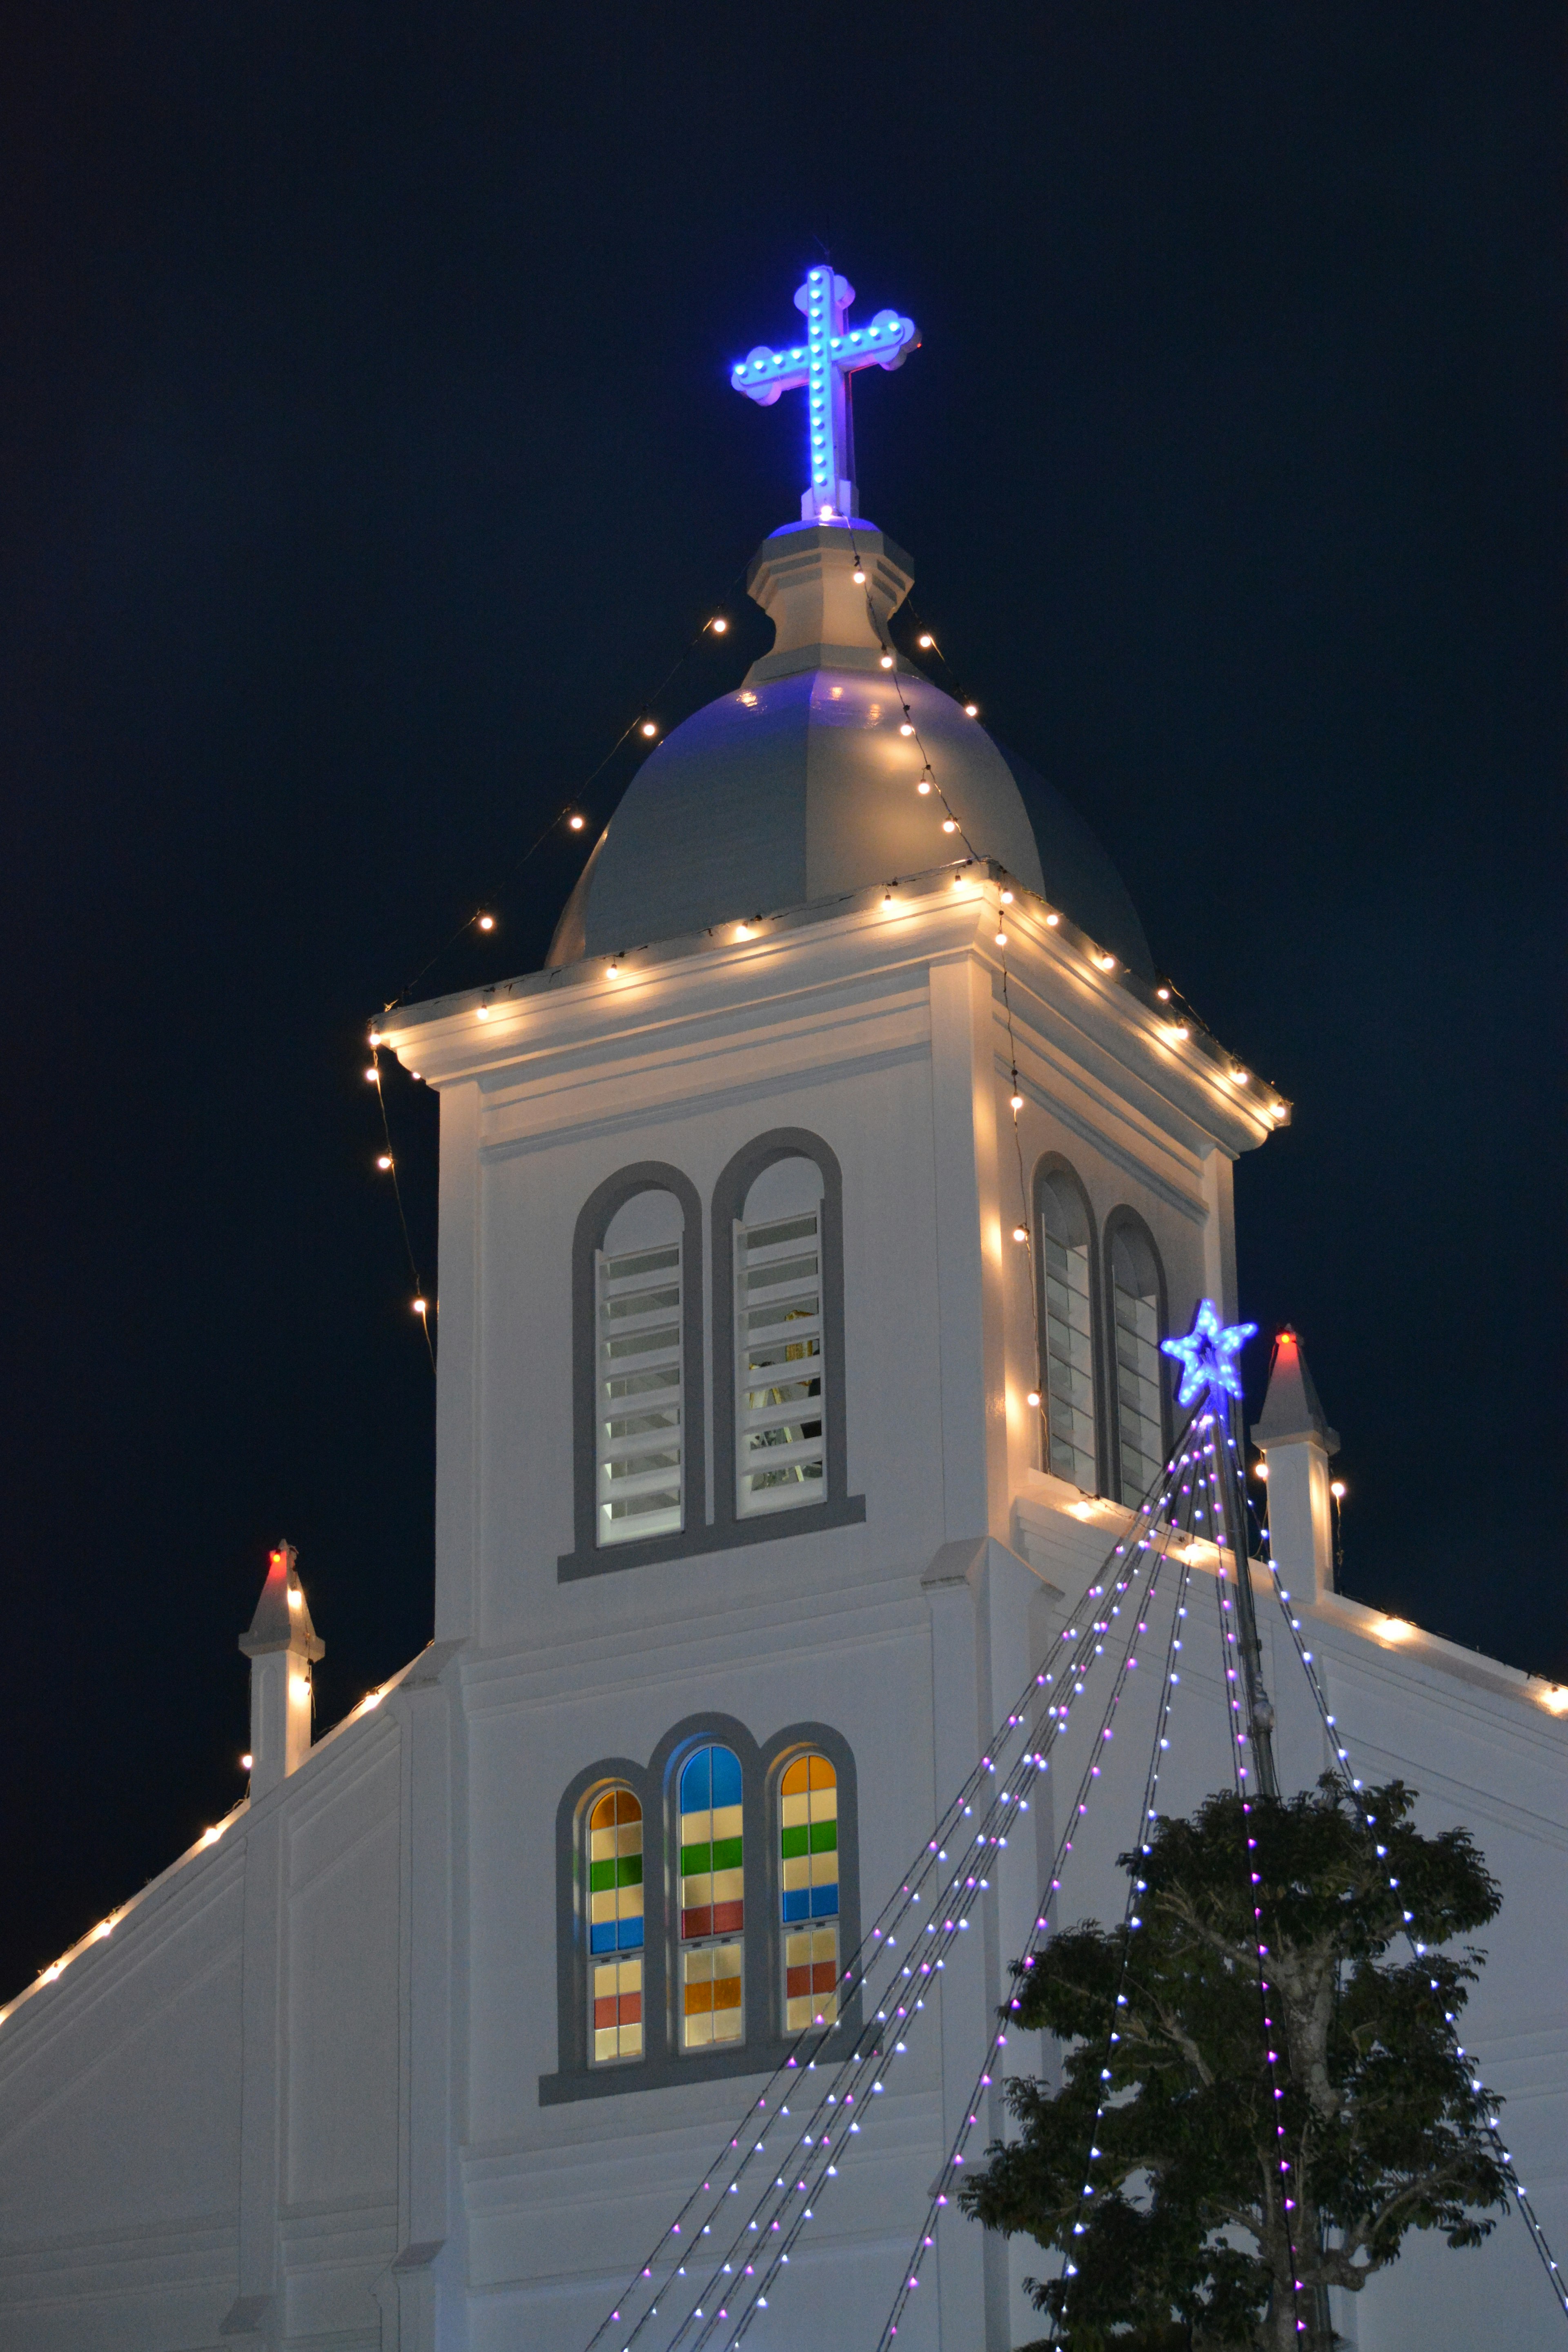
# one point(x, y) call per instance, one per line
point(587, 1557)
point(837, 1507)
point(662, 2066)
point(1126, 1220)
point(1052, 1164)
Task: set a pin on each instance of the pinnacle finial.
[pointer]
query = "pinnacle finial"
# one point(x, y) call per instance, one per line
point(1291, 1407)
point(282, 1619)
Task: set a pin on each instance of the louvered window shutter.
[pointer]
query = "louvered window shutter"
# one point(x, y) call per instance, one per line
point(641, 1466)
point(1137, 1387)
point(780, 1443)
point(1069, 1361)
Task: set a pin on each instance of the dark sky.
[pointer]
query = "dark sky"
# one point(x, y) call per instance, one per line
point(366, 458)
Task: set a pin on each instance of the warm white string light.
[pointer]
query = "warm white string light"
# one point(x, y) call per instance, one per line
point(1165, 1530)
point(951, 1902)
point(1130, 1922)
point(1032, 1761)
point(1342, 1753)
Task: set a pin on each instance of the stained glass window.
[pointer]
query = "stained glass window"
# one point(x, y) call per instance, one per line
point(712, 1899)
point(808, 1856)
point(616, 1924)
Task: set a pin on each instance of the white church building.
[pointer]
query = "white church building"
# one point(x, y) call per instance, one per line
point(808, 1229)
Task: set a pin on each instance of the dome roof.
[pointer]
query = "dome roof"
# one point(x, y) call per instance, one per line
point(800, 786)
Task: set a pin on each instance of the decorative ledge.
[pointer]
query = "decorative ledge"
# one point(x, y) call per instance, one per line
point(698, 1542)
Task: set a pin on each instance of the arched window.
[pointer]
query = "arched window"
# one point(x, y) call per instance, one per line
point(809, 1878)
point(712, 1899)
point(638, 1326)
point(638, 1473)
point(615, 1926)
point(1137, 1315)
point(781, 1453)
point(779, 1433)
point(1067, 1327)
point(716, 1834)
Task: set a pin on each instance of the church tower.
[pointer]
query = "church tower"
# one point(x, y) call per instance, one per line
point(808, 1230)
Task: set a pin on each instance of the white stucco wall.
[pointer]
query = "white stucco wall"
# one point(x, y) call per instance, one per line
point(298, 2087)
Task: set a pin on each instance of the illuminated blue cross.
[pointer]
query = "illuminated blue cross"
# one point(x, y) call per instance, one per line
point(1207, 1356)
point(824, 363)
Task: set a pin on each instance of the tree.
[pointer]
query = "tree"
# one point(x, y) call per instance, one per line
point(1173, 2209)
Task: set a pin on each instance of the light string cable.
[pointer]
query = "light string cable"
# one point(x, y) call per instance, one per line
point(877, 1941)
point(570, 810)
point(970, 1896)
point(1491, 2122)
point(1180, 1004)
point(926, 642)
point(1024, 1231)
point(1032, 1763)
point(1077, 1812)
point(909, 725)
point(881, 1944)
point(1233, 1566)
point(388, 1163)
point(1130, 1922)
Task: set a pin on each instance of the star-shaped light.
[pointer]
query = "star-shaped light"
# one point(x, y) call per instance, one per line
point(1207, 1355)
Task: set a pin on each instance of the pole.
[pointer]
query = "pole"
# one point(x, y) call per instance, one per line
point(1260, 1712)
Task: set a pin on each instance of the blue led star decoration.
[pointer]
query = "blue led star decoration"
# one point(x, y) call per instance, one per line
point(1207, 1355)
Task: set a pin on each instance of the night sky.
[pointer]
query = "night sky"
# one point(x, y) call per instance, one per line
point(366, 459)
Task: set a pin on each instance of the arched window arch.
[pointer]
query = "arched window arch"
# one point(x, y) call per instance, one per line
point(638, 1466)
point(685, 1864)
point(779, 1435)
point(1135, 1281)
point(711, 1865)
point(615, 1927)
point(808, 1890)
point(1068, 1319)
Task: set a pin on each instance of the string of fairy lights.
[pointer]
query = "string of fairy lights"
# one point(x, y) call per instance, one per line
point(728, 2289)
point(571, 816)
point(1169, 1529)
point(1231, 1569)
point(1130, 1922)
point(1343, 1758)
point(720, 2299)
point(722, 2291)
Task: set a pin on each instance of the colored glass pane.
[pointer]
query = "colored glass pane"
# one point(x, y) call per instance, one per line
point(618, 2010)
point(711, 2006)
point(811, 1978)
point(808, 1875)
point(712, 1898)
point(615, 1919)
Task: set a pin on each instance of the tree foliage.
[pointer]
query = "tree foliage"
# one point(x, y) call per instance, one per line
point(1192, 2233)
